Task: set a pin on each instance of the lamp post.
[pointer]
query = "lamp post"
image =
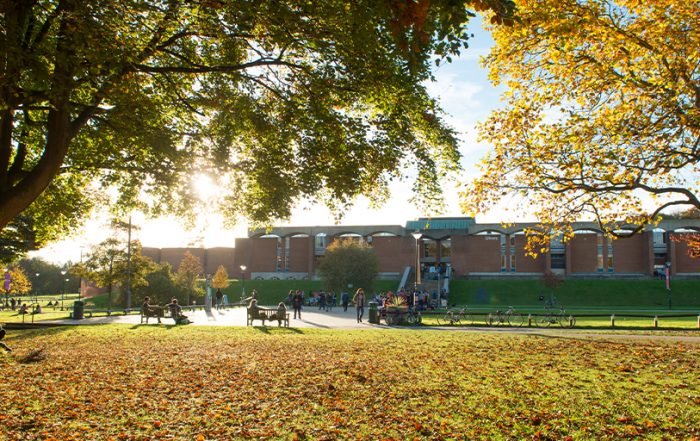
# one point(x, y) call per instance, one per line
point(80, 283)
point(6, 284)
point(417, 235)
point(243, 267)
point(63, 287)
point(36, 290)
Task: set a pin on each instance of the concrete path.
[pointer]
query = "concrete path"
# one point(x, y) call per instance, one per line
point(311, 318)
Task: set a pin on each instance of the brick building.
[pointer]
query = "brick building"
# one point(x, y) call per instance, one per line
point(458, 245)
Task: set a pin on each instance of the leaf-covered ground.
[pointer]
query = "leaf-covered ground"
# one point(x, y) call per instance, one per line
point(199, 383)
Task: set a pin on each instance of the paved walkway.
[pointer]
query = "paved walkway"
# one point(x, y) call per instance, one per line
point(311, 318)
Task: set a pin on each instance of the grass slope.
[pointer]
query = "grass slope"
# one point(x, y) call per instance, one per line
point(581, 293)
point(198, 383)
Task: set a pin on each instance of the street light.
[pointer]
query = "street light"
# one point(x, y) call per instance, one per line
point(80, 283)
point(63, 288)
point(417, 235)
point(36, 291)
point(6, 284)
point(243, 267)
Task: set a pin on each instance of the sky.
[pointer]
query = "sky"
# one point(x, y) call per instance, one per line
point(465, 95)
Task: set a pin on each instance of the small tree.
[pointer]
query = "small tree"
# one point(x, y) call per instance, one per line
point(348, 262)
point(107, 266)
point(186, 277)
point(220, 279)
point(99, 267)
point(552, 282)
point(19, 283)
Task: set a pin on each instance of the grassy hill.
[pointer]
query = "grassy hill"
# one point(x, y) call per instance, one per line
point(641, 294)
point(578, 293)
point(524, 292)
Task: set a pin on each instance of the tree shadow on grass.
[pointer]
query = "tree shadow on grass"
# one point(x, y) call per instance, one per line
point(277, 330)
point(28, 333)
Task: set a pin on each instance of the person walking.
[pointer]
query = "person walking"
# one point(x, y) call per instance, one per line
point(219, 299)
point(359, 301)
point(345, 299)
point(322, 301)
point(297, 300)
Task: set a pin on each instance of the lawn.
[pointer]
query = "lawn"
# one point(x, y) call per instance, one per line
point(201, 383)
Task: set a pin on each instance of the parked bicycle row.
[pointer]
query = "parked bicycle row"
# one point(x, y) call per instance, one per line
point(507, 317)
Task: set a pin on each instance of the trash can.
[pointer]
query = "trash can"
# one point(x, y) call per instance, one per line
point(78, 309)
point(373, 313)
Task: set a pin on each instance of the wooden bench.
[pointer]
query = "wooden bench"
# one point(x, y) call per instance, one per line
point(266, 314)
point(155, 312)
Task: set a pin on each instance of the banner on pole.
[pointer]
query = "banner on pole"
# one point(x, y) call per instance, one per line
point(668, 278)
point(8, 279)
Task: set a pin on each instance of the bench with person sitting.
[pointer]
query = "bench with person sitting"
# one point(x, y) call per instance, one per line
point(176, 313)
point(254, 312)
point(149, 311)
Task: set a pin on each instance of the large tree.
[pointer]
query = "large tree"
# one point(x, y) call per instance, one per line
point(602, 112)
point(348, 262)
point(280, 99)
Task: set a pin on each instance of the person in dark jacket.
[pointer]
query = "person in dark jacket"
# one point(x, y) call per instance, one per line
point(297, 300)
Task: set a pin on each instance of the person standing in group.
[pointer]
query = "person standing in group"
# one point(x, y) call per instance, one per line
point(359, 301)
point(297, 300)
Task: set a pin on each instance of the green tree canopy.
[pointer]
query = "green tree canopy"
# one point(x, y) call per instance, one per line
point(602, 113)
point(348, 262)
point(49, 279)
point(160, 287)
point(280, 100)
point(107, 266)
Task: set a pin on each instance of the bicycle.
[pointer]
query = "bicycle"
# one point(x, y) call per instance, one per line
point(455, 317)
point(557, 317)
point(509, 317)
point(414, 317)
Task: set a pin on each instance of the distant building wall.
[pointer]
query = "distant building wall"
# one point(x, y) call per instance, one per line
point(587, 252)
point(631, 254)
point(583, 249)
point(525, 263)
point(298, 257)
point(476, 254)
point(220, 256)
point(174, 256)
point(263, 254)
point(394, 253)
point(152, 253)
point(681, 262)
point(242, 257)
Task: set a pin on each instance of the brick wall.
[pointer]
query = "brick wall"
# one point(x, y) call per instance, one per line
point(394, 253)
point(299, 249)
point(220, 256)
point(631, 254)
point(524, 263)
point(582, 253)
point(476, 254)
point(681, 261)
